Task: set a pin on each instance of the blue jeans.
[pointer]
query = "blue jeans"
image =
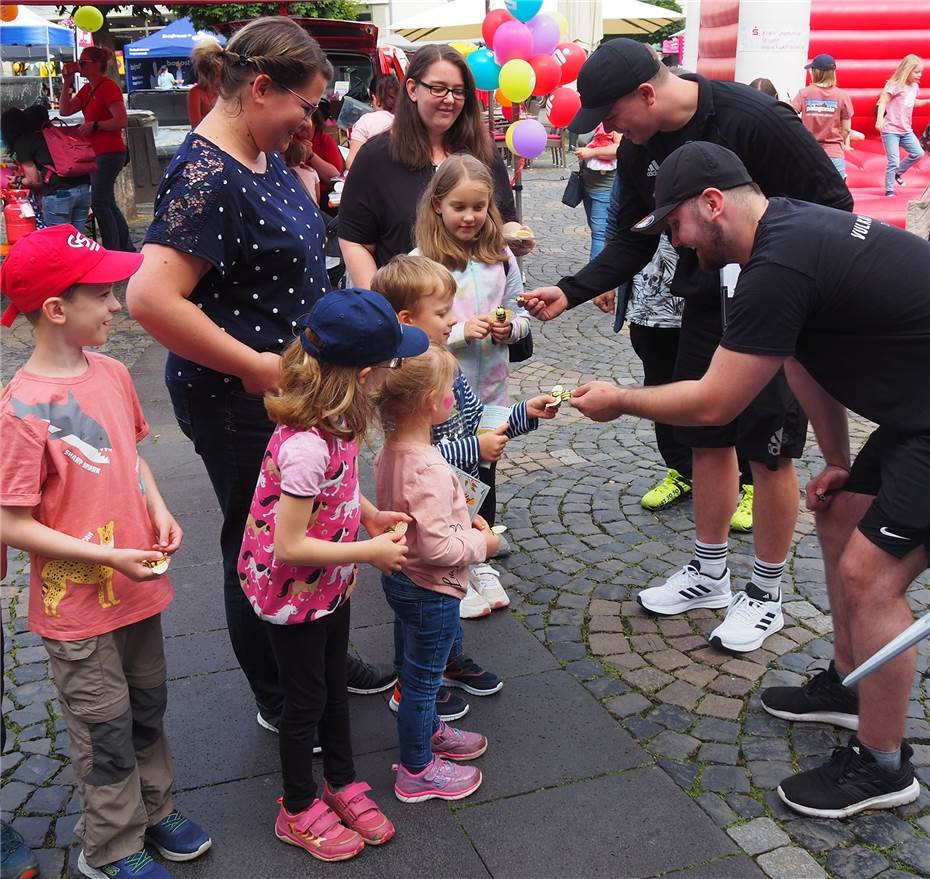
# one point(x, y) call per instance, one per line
point(425, 624)
point(893, 144)
point(595, 207)
point(67, 205)
point(113, 229)
point(840, 164)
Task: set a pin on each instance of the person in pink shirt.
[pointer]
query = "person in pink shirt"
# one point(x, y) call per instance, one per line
point(894, 119)
point(297, 564)
point(826, 110)
point(383, 96)
point(442, 541)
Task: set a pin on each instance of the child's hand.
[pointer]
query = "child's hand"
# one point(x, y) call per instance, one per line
point(491, 444)
point(477, 327)
point(492, 541)
point(168, 534)
point(500, 331)
point(480, 523)
point(131, 563)
point(536, 406)
point(388, 552)
point(384, 520)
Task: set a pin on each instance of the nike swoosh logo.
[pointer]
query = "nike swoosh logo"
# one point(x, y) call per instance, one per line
point(888, 533)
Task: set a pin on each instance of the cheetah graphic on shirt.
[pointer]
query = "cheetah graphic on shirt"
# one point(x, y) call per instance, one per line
point(58, 573)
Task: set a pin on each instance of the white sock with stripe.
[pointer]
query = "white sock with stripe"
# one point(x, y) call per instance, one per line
point(712, 557)
point(767, 576)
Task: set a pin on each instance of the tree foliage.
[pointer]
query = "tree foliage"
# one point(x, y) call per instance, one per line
point(667, 31)
point(210, 14)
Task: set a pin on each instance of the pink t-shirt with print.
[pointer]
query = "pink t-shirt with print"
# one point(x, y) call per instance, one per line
point(306, 464)
point(899, 111)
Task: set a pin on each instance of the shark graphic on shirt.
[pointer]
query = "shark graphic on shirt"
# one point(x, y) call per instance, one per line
point(70, 424)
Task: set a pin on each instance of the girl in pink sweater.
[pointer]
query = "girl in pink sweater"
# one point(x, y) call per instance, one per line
point(442, 541)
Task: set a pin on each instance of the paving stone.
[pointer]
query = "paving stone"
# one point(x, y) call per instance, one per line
point(599, 607)
point(758, 748)
point(33, 829)
point(605, 624)
point(31, 714)
point(668, 660)
point(674, 745)
point(31, 654)
point(744, 805)
point(695, 674)
point(64, 830)
point(607, 644)
point(768, 774)
point(713, 752)
point(13, 794)
point(764, 724)
point(915, 853)
point(680, 693)
point(684, 774)
point(642, 729)
point(48, 800)
point(646, 643)
point(882, 829)
point(631, 703)
point(606, 686)
point(790, 863)
point(759, 835)
point(855, 862)
point(567, 651)
point(672, 717)
point(36, 770)
point(750, 670)
point(720, 706)
point(647, 679)
point(815, 834)
point(719, 811)
point(731, 686)
point(51, 862)
point(687, 643)
point(584, 669)
point(711, 729)
point(626, 660)
point(724, 779)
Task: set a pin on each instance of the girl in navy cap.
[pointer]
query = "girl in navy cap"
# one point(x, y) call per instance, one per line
point(299, 556)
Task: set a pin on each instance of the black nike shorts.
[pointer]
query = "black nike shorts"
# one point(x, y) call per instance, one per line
point(895, 468)
point(771, 427)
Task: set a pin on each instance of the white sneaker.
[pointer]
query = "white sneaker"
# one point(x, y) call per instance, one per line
point(751, 617)
point(474, 604)
point(487, 584)
point(685, 590)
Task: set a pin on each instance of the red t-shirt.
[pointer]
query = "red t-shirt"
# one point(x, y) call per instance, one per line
point(96, 103)
point(69, 453)
point(823, 111)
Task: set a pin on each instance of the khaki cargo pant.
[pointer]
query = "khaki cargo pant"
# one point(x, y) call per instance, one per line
point(113, 694)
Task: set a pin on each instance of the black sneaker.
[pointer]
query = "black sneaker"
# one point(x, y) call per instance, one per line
point(823, 699)
point(850, 782)
point(364, 679)
point(464, 673)
point(449, 705)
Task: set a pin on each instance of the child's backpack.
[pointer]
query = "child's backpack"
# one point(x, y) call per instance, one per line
point(71, 152)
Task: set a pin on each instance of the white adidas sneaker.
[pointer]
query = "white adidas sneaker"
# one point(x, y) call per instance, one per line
point(751, 617)
point(685, 590)
point(486, 581)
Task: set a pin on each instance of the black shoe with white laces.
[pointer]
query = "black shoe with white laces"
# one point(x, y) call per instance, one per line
point(850, 782)
point(364, 678)
point(823, 699)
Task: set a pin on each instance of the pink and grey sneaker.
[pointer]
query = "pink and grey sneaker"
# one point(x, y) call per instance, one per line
point(456, 744)
point(358, 812)
point(318, 830)
point(439, 780)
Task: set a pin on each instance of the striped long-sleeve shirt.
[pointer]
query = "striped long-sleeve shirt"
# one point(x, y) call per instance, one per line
point(457, 440)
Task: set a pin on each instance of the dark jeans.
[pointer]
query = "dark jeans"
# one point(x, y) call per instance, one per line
point(312, 659)
point(657, 348)
point(425, 624)
point(113, 229)
point(230, 432)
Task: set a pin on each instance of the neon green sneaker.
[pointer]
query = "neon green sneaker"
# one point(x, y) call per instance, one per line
point(742, 518)
point(672, 488)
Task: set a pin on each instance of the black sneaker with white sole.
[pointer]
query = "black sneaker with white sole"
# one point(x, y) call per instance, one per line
point(850, 782)
point(465, 673)
point(823, 699)
point(364, 678)
point(449, 706)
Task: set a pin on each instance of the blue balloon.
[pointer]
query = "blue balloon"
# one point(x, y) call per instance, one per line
point(485, 69)
point(523, 10)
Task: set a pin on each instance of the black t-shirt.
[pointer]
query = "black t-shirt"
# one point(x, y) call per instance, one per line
point(33, 148)
point(379, 202)
point(849, 297)
point(263, 237)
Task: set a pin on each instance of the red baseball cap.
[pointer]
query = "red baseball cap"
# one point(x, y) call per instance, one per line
point(47, 262)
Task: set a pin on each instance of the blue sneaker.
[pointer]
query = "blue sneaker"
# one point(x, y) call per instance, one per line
point(138, 865)
point(16, 858)
point(178, 838)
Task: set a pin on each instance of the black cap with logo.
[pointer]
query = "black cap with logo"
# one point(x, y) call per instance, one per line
point(687, 172)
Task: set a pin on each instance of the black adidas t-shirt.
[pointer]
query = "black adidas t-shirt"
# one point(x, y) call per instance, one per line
point(849, 297)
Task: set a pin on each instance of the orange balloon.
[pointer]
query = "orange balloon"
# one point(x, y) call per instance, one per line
point(501, 100)
point(9, 12)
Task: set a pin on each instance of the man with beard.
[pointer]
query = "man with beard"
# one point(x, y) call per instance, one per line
point(625, 86)
point(805, 301)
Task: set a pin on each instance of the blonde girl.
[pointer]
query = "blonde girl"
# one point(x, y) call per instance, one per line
point(894, 119)
point(413, 478)
point(297, 564)
point(458, 225)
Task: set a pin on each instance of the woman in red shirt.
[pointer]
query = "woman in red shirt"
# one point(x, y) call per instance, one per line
point(101, 101)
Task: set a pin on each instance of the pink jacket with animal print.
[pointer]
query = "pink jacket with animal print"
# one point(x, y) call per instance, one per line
point(301, 463)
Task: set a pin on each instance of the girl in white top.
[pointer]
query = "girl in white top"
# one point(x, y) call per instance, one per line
point(383, 95)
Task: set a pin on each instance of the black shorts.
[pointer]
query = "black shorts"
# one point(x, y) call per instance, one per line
point(772, 426)
point(895, 468)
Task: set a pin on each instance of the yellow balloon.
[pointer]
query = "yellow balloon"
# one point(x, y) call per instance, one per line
point(508, 137)
point(517, 80)
point(8, 12)
point(562, 22)
point(89, 18)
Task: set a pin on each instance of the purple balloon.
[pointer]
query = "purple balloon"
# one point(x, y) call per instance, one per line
point(512, 40)
point(529, 139)
point(546, 33)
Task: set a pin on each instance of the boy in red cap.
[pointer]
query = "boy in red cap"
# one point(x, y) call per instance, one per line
point(76, 495)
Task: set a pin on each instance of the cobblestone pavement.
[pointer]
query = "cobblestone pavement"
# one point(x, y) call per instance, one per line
point(583, 547)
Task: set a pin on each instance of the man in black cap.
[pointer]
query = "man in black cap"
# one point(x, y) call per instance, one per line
point(805, 300)
point(624, 86)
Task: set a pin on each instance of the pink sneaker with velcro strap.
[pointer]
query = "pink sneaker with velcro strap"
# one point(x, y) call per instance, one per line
point(359, 812)
point(319, 831)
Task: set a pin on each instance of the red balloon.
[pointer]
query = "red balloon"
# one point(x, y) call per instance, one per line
point(509, 112)
point(571, 56)
point(492, 21)
point(563, 105)
point(548, 74)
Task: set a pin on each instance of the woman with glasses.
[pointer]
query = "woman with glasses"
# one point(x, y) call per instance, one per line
point(233, 258)
point(436, 115)
point(101, 102)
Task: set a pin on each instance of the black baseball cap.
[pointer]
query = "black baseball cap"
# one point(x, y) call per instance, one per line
point(687, 172)
point(613, 70)
point(822, 62)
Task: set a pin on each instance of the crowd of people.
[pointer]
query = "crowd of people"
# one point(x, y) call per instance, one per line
point(267, 378)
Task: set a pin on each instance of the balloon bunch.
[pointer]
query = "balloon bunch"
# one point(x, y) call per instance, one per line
point(525, 55)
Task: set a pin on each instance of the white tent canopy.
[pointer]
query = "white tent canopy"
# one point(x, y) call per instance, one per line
point(461, 19)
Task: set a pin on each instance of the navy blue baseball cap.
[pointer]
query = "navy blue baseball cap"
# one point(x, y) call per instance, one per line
point(358, 328)
point(822, 62)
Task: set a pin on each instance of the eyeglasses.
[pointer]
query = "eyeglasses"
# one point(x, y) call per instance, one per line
point(393, 363)
point(440, 91)
point(309, 108)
